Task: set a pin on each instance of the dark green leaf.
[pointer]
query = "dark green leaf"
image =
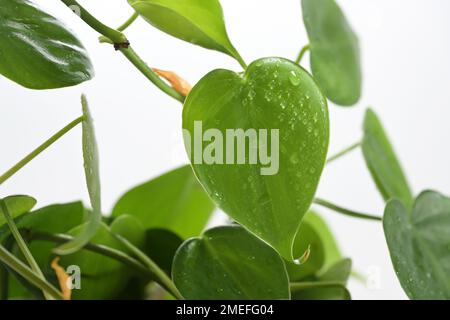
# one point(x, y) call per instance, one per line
point(174, 201)
point(335, 56)
point(281, 98)
point(37, 51)
point(320, 291)
point(419, 244)
point(338, 272)
point(229, 263)
point(17, 206)
point(196, 21)
point(92, 172)
point(382, 162)
point(161, 246)
point(130, 228)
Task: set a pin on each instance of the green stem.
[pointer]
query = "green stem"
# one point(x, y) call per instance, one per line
point(132, 56)
point(312, 285)
point(154, 272)
point(115, 36)
point(129, 22)
point(162, 276)
point(18, 266)
point(302, 53)
point(21, 243)
point(39, 150)
point(344, 152)
point(354, 214)
point(121, 43)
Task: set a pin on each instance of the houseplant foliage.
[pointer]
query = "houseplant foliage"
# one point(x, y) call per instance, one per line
point(154, 244)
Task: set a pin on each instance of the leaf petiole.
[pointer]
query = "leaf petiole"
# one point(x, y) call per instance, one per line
point(302, 53)
point(347, 212)
point(344, 152)
point(39, 150)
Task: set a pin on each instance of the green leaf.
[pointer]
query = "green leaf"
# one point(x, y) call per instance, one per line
point(329, 285)
point(315, 239)
point(335, 56)
point(382, 162)
point(130, 228)
point(282, 99)
point(54, 219)
point(229, 263)
point(320, 291)
point(17, 206)
point(161, 246)
point(174, 201)
point(92, 172)
point(419, 244)
point(197, 21)
point(37, 51)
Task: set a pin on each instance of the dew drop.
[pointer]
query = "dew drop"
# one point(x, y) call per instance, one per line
point(294, 78)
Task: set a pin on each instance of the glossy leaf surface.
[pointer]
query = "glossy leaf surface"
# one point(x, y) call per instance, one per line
point(335, 56)
point(383, 163)
point(17, 205)
point(196, 21)
point(419, 245)
point(37, 51)
point(229, 263)
point(278, 97)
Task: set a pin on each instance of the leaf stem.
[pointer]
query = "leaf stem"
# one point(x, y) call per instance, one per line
point(344, 152)
point(162, 276)
point(21, 243)
point(302, 53)
point(18, 266)
point(354, 214)
point(39, 150)
point(121, 43)
point(129, 22)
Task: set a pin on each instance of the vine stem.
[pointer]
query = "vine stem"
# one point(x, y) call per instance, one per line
point(302, 53)
point(22, 245)
point(150, 269)
point(344, 152)
point(165, 280)
point(18, 266)
point(22, 163)
point(351, 213)
point(121, 43)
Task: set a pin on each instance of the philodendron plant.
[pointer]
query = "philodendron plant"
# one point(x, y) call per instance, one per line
point(257, 139)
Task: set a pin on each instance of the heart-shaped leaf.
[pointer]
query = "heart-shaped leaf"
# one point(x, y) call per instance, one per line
point(161, 246)
point(174, 201)
point(37, 51)
point(229, 263)
point(383, 163)
point(419, 244)
point(335, 56)
point(266, 134)
point(92, 172)
point(197, 21)
point(17, 206)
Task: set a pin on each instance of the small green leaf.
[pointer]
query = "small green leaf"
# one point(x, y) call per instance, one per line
point(37, 51)
point(282, 100)
point(197, 21)
point(129, 228)
point(419, 244)
point(17, 206)
point(174, 201)
point(338, 272)
point(92, 172)
point(335, 56)
point(320, 291)
point(315, 237)
point(229, 263)
point(161, 246)
point(383, 163)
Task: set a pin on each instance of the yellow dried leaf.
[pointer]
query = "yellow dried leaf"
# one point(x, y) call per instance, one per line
point(178, 83)
point(63, 279)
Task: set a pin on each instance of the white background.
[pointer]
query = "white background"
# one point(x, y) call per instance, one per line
point(406, 50)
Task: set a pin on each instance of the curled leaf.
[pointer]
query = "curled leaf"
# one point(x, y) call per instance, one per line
point(63, 279)
point(179, 84)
